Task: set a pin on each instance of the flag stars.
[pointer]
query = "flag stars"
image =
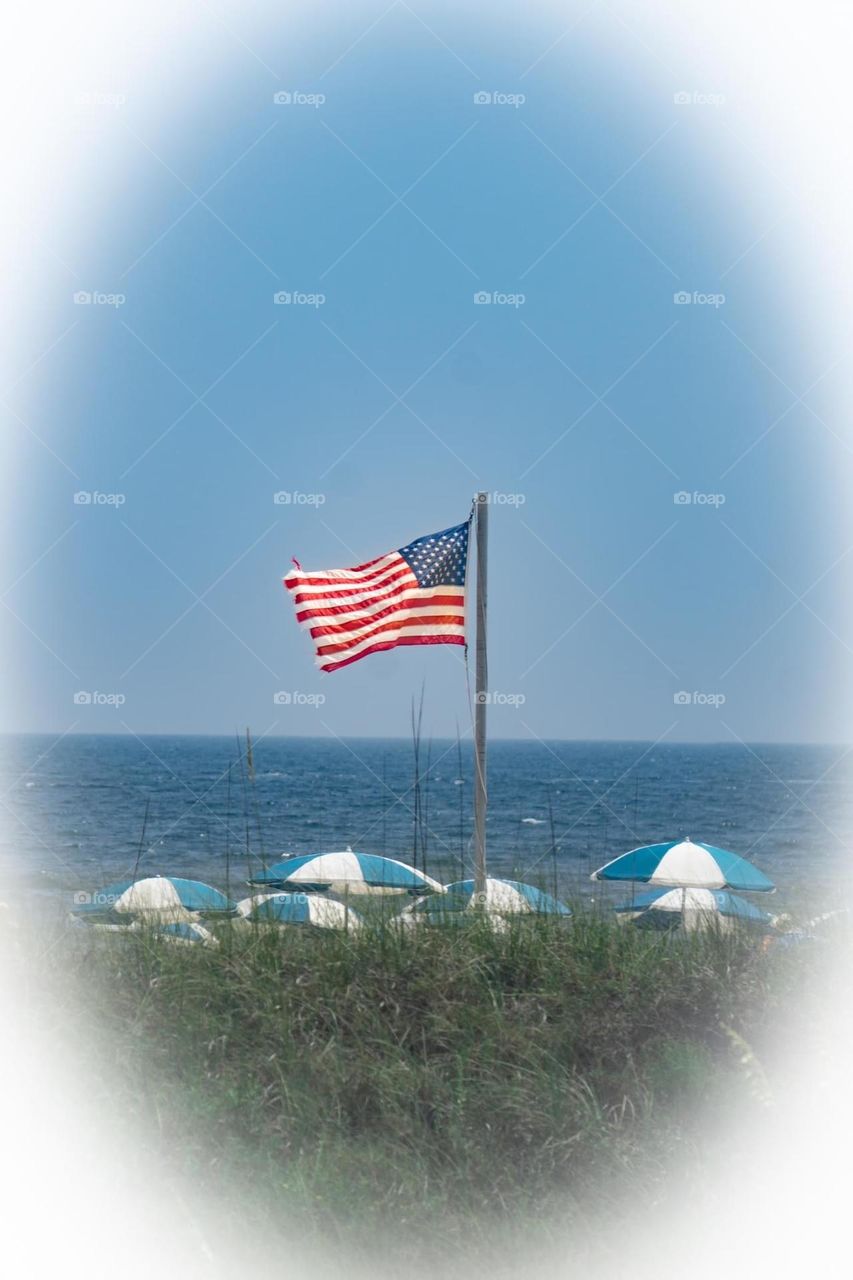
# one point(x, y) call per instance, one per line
point(440, 558)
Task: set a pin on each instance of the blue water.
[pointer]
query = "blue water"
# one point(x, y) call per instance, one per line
point(75, 808)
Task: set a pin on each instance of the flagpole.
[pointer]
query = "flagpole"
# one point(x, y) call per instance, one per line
point(481, 503)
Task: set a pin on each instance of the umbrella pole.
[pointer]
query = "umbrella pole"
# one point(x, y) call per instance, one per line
point(481, 505)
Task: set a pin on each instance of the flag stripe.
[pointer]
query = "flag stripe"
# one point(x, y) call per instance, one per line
point(392, 644)
point(353, 593)
point(342, 577)
point(361, 570)
point(350, 615)
point(436, 624)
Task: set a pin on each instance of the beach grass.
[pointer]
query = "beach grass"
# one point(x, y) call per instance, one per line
point(433, 1084)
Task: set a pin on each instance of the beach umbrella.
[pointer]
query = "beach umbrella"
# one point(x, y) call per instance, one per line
point(300, 909)
point(449, 909)
point(685, 864)
point(182, 933)
point(693, 909)
point(510, 897)
point(502, 898)
point(246, 906)
point(155, 897)
point(346, 873)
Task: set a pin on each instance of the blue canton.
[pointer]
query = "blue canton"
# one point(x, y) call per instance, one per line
point(439, 559)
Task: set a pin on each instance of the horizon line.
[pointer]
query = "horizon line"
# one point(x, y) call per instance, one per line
point(362, 737)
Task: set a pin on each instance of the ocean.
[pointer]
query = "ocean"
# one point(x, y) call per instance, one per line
point(75, 809)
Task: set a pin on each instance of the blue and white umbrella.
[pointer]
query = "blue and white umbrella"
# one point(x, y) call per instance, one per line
point(155, 897)
point(502, 898)
point(183, 934)
point(693, 908)
point(347, 873)
point(304, 909)
point(685, 864)
point(511, 897)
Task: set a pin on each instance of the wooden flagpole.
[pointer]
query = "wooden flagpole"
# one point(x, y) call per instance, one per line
point(482, 699)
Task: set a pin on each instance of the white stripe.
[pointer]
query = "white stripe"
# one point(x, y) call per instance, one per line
point(316, 597)
point(388, 637)
point(501, 896)
point(397, 618)
point(685, 900)
point(344, 576)
point(329, 866)
point(688, 864)
point(154, 894)
point(396, 593)
point(422, 594)
point(380, 620)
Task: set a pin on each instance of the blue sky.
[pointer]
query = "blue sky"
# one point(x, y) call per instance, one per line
point(590, 403)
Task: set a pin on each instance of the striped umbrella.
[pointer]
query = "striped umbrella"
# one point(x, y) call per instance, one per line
point(154, 897)
point(693, 909)
point(683, 864)
point(502, 898)
point(449, 910)
point(183, 934)
point(298, 909)
point(346, 873)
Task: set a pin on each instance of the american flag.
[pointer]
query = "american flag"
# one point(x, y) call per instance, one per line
point(412, 596)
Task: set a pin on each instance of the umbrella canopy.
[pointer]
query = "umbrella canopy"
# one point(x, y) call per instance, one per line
point(694, 907)
point(163, 896)
point(503, 898)
point(300, 909)
point(183, 934)
point(347, 872)
point(683, 864)
point(449, 909)
point(511, 897)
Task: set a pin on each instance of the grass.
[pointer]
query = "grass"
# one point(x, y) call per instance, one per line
point(437, 1086)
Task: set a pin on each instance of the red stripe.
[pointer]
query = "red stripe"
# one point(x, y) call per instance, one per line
point(345, 592)
point(368, 564)
point(392, 644)
point(448, 620)
point(329, 579)
point(358, 568)
point(353, 624)
point(393, 593)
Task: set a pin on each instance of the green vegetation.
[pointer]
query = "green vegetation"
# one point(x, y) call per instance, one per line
point(437, 1083)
